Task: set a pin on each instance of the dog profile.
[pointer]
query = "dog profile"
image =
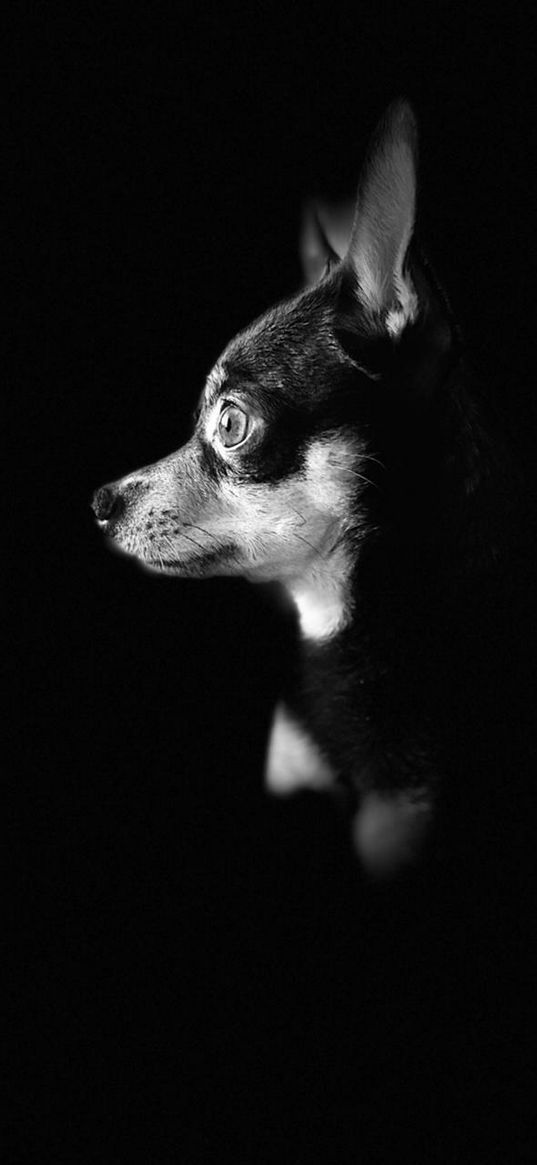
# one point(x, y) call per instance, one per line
point(337, 451)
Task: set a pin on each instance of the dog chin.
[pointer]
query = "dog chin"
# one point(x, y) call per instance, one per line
point(206, 566)
point(223, 559)
point(173, 568)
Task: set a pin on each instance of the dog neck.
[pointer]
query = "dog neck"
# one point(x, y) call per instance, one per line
point(323, 597)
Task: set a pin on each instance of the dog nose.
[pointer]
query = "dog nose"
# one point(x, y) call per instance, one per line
point(106, 503)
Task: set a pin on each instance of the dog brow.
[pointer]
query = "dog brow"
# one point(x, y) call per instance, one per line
point(215, 382)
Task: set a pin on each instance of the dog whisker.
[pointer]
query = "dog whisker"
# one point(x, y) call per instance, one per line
point(192, 540)
point(361, 476)
point(370, 457)
point(192, 526)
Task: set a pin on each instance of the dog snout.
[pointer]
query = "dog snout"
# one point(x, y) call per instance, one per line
point(107, 503)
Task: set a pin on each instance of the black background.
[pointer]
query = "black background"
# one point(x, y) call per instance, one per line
point(204, 972)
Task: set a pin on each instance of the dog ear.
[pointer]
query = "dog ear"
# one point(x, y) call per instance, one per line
point(317, 254)
point(384, 222)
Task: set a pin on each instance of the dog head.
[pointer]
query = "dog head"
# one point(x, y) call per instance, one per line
point(276, 478)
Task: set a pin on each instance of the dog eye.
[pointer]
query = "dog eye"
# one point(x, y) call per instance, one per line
point(232, 426)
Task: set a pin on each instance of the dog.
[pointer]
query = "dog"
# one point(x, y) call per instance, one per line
point(338, 452)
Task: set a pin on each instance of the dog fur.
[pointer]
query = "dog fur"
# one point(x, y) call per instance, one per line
point(338, 451)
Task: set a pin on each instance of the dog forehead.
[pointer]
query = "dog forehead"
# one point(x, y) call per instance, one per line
point(283, 347)
point(294, 326)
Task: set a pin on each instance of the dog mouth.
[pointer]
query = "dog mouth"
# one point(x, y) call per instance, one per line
point(163, 566)
point(164, 563)
point(144, 550)
point(215, 561)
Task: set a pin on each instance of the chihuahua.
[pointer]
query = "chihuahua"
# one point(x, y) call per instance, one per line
point(337, 452)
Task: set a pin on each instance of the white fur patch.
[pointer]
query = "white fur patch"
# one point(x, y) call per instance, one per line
point(322, 606)
point(321, 593)
point(331, 474)
point(293, 760)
